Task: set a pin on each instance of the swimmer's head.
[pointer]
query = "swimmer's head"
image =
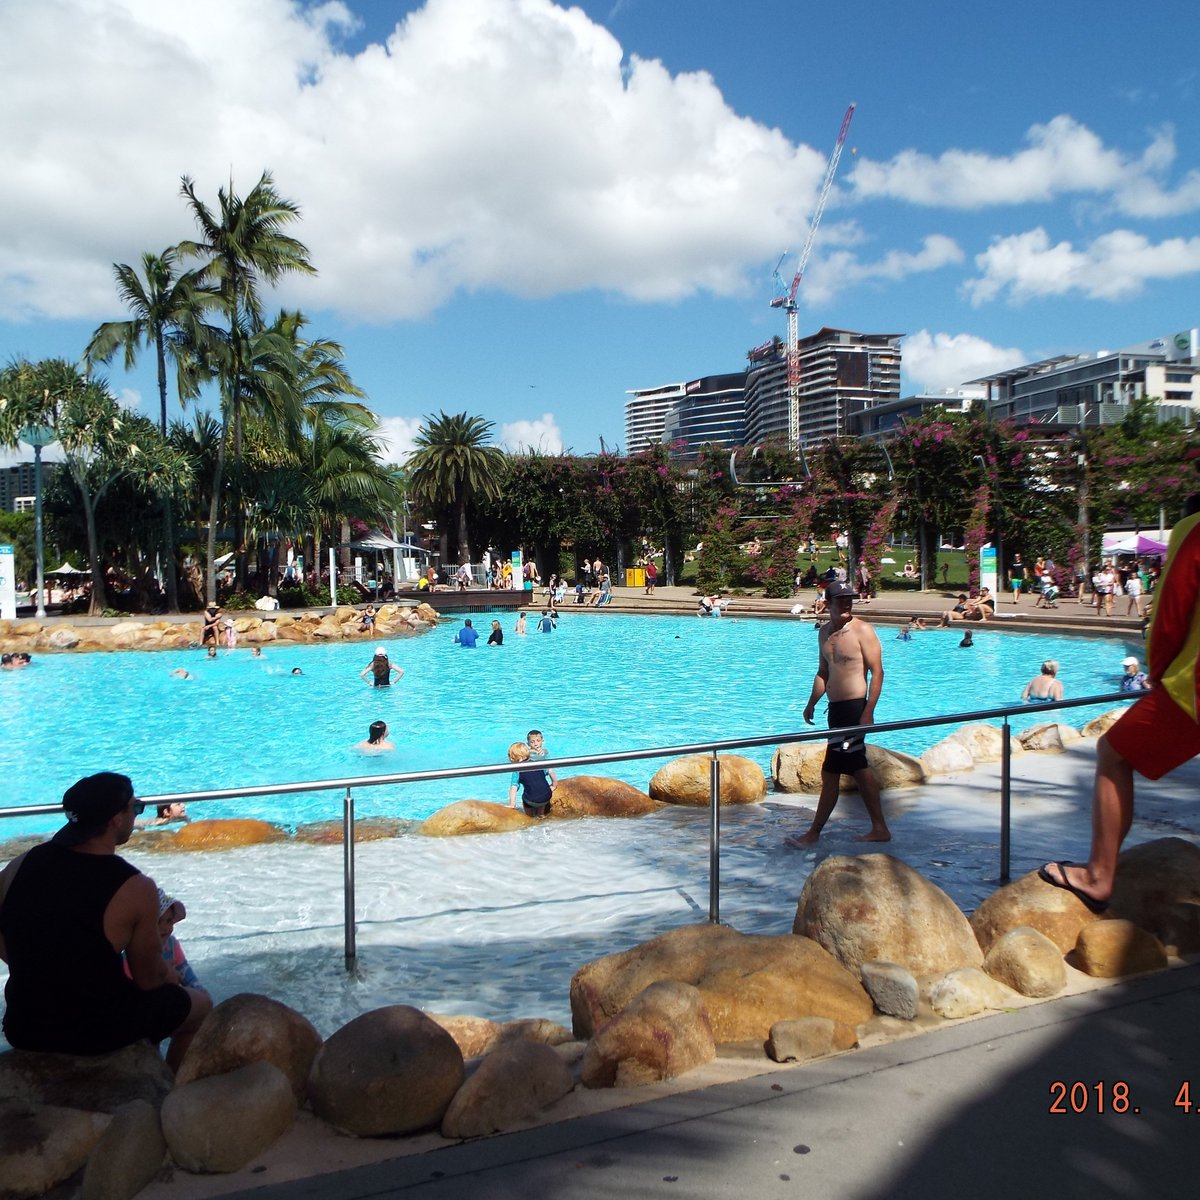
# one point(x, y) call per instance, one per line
point(381, 652)
point(377, 732)
point(1050, 667)
point(297, 671)
point(518, 752)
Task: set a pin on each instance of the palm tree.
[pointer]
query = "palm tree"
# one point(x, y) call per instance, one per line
point(452, 465)
point(167, 313)
point(243, 242)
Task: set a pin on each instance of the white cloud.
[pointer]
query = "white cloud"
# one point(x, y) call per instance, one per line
point(935, 362)
point(1063, 157)
point(542, 435)
point(840, 270)
point(491, 144)
point(397, 437)
point(1112, 267)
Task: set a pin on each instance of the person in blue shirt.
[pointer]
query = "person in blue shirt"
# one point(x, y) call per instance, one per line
point(1134, 679)
point(905, 634)
point(546, 624)
point(467, 636)
point(535, 786)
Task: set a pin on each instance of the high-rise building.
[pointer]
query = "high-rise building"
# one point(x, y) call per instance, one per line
point(706, 411)
point(17, 485)
point(841, 374)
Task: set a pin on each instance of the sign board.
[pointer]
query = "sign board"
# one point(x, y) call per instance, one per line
point(518, 570)
point(988, 577)
point(8, 584)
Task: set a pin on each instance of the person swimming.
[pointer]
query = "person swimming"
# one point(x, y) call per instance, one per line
point(376, 741)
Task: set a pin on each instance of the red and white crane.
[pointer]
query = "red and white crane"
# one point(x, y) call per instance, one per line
point(787, 299)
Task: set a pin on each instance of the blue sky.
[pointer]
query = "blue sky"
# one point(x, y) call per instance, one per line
point(521, 210)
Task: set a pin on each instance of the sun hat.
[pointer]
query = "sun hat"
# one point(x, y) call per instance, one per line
point(835, 591)
point(381, 651)
point(91, 803)
point(1129, 662)
point(166, 902)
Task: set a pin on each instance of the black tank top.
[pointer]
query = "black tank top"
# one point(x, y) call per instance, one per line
point(63, 971)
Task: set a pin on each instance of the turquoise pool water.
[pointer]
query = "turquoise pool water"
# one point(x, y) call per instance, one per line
point(602, 682)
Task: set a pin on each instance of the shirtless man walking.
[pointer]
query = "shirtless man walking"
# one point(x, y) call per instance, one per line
point(850, 673)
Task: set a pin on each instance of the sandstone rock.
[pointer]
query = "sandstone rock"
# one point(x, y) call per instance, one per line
point(797, 768)
point(967, 991)
point(390, 1071)
point(474, 816)
point(1178, 928)
point(327, 629)
point(803, 1038)
point(473, 1036)
point(892, 989)
point(595, 796)
point(1153, 878)
point(128, 1156)
point(946, 757)
point(221, 1123)
point(986, 742)
point(1108, 949)
point(1051, 737)
point(747, 982)
point(366, 829)
point(875, 907)
point(63, 638)
point(42, 1144)
point(663, 1032)
point(515, 1082)
point(1033, 902)
point(686, 781)
point(1028, 962)
point(1103, 723)
point(427, 614)
point(534, 1029)
point(248, 1028)
point(99, 1082)
point(226, 834)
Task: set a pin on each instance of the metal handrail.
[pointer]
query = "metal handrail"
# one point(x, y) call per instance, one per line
point(713, 748)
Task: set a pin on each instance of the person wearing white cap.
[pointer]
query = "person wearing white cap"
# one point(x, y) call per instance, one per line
point(380, 669)
point(850, 674)
point(1134, 680)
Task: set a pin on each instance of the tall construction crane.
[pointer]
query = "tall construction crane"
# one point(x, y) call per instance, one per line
point(787, 299)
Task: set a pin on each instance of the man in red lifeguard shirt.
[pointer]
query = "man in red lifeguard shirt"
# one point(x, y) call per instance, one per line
point(1156, 734)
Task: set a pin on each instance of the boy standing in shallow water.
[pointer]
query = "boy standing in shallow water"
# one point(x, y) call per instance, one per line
point(537, 749)
point(535, 785)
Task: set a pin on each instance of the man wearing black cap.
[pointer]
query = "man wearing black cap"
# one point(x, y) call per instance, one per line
point(850, 673)
point(73, 914)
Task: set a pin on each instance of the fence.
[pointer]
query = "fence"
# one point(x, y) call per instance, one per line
point(348, 786)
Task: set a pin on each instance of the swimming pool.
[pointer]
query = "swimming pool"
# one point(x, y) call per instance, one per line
point(599, 683)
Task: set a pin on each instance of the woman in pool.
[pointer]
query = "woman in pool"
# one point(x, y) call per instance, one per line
point(380, 669)
point(376, 741)
point(1044, 686)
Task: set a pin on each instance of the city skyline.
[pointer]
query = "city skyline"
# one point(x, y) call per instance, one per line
point(524, 210)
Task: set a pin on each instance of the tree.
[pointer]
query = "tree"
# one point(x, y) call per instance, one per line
point(453, 465)
point(101, 442)
point(168, 314)
point(243, 242)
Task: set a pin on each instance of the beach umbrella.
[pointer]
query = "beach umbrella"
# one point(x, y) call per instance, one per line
point(66, 571)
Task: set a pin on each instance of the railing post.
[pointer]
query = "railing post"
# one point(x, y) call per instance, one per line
point(714, 840)
point(1005, 799)
point(348, 880)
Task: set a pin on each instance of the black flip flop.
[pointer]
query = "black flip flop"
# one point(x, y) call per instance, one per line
point(1090, 902)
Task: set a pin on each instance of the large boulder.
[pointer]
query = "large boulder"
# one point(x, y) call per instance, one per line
point(1030, 901)
point(249, 1028)
point(686, 781)
point(63, 638)
point(947, 757)
point(596, 796)
point(1103, 723)
point(42, 1145)
point(985, 742)
point(1110, 949)
point(747, 982)
point(1050, 738)
point(808, 1037)
point(389, 1071)
point(221, 1123)
point(474, 816)
point(875, 907)
point(227, 834)
point(474, 1036)
point(1028, 962)
point(662, 1033)
point(967, 991)
point(129, 1154)
point(796, 767)
point(514, 1083)
point(1153, 879)
point(98, 1082)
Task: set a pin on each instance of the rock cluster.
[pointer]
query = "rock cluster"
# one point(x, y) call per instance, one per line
point(871, 935)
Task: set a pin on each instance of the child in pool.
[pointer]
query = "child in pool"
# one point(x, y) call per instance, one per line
point(534, 784)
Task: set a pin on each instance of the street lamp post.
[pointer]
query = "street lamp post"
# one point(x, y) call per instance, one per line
point(38, 436)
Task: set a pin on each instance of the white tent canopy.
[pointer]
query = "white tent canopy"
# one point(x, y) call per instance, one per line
point(1132, 543)
point(66, 571)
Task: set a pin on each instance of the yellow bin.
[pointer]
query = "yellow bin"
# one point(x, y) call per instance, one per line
point(635, 577)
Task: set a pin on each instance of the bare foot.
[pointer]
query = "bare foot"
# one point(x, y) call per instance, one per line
point(876, 835)
point(808, 839)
